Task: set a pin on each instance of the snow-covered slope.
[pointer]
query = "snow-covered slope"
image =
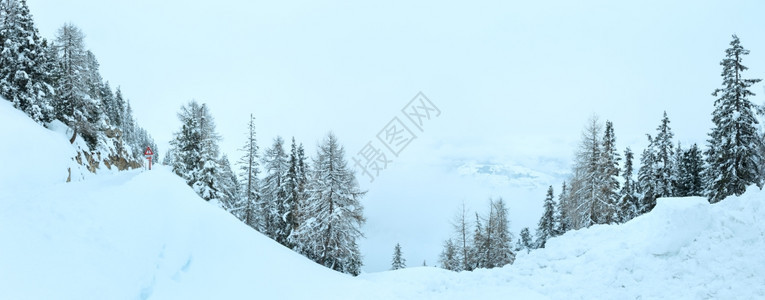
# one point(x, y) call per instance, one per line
point(146, 235)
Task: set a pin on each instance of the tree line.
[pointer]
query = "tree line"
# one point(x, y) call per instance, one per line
point(60, 80)
point(311, 207)
point(603, 189)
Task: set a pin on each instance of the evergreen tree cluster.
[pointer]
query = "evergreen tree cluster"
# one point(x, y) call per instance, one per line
point(488, 247)
point(314, 209)
point(733, 160)
point(61, 81)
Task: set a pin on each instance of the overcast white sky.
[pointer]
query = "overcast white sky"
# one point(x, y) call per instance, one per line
point(515, 82)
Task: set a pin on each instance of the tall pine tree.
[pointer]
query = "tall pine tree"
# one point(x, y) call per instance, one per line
point(25, 71)
point(248, 177)
point(546, 225)
point(733, 156)
point(609, 165)
point(398, 262)
point(275, 190)
point(334, 214)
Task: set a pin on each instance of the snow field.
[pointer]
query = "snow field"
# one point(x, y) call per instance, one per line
point(147, 235)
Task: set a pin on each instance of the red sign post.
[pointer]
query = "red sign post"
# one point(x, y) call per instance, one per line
point(149, 154)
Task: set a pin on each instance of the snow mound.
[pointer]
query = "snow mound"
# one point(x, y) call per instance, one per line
point(147, 235)
point(32, 155)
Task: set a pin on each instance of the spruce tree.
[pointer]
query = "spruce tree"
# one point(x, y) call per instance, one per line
point(608, 212)
point(628, 198)
point(562, 222)
point(275, 191)
point(587, 183)
point(733, 155)
point(691, 168)
point(294, 199)
point(665, 159)
point(334, 214)
point(196, 151)
point(479, 245)
point(230, 188)
point(25, 71)
point(546, 225)
point(398, 261)
point(526, 242)
point(448, 257)
point(647, 178)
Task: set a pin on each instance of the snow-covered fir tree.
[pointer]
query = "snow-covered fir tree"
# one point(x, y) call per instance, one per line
point(448, 257)
point(690, 168)
point(25, 69)
point(647, 178)
point(334, 214)
point(587, 184)
point(665, 159)
point(498, 236)
point(734, 159)
point(608, 212)
point(562, 221)
point(628, 198)
point(610, 173)
point(72, 104)
point(196, 151)
point(525, 240)
point(249, 170)
point(546, 225)
point(275, 191)
point(230, 188)
point(480, 246)
point(398, 262)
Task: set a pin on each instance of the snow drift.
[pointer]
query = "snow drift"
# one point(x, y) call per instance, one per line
point(146, 235)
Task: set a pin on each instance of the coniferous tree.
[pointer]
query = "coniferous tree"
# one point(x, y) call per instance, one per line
point(448, 257)
point(587, 184)
point(562, 222)
point(196, 151)
point(25, 71)
point(119, 110)
point(690, 172)
point(295, 196)
point(525, 240)
point(647, 178)
point(608, 212)
point(73, 106)
point(462, 231)
point(398, 261)
point(665, 159)
point(248, 177)
point(275, 191)
point(230, 188)
point(546, 225)
point(479, 246)
point(733, 155)
point(499, 237)
point(628, 198)
point(334, 214)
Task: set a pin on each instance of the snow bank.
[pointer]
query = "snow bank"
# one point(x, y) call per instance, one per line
point(31, 155)
point(146, 235)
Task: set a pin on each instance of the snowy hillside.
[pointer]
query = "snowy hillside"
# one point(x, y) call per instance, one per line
point(146, 235)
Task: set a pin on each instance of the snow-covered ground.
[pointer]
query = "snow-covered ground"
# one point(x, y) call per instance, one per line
point(146, 235)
